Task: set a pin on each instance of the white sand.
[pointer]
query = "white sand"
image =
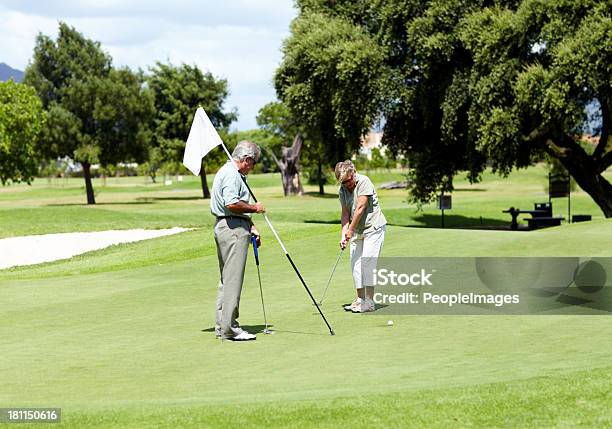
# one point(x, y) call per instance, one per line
point(35, 249)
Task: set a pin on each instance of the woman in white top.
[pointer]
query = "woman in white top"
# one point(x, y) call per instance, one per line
point(363, 228)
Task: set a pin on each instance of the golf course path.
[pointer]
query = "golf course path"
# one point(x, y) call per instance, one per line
point(35, 249)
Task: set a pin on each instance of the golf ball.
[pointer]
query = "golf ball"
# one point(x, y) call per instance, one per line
point(390, 323)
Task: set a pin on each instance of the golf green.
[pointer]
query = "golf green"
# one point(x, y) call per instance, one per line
point(123, 337)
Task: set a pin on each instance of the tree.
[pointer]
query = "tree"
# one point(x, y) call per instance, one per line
point(178, 92)
point(472, 82)
point(331, 78)
point(21, 119)
point(289, 165)
point(553, 58)
point(276, 121)
point(278, 127)
point(262, 138)
point(96, 114)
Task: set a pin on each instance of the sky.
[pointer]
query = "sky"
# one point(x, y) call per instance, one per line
point(238, 40)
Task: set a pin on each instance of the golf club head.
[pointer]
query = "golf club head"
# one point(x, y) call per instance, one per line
point(268, 331)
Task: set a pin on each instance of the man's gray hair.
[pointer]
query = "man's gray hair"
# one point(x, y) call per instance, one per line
point(344, 170)
point(246, 149)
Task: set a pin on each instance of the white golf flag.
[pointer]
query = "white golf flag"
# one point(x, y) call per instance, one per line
point(203, 137)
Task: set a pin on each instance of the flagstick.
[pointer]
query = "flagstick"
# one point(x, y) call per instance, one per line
point(331, 331)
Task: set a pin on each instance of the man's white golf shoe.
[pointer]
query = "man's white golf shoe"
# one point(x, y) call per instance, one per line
point(243, 336)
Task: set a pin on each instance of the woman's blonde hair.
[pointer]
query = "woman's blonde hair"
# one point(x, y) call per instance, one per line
point(344, 170)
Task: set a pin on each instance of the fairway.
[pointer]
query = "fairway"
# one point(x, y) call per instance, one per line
point(123, 337)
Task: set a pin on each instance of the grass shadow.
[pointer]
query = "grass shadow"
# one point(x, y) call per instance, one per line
point(469, 190)
point(457, 222)
point(317, 195)
point(127, 203)
point(303, 333)
point(258, 329)
point(150, 199)
point(253, 329)
point(435, 221)
point(328, 222)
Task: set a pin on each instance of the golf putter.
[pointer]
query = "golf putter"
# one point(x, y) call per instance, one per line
point(254, 242)
point(332, 274)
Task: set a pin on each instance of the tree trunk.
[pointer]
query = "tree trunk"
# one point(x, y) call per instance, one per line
point(205, 191)
point(88, 186)
point(291, 182)
point(289, 167)
point(593, 184)
point(583, 169)
point(320, 178)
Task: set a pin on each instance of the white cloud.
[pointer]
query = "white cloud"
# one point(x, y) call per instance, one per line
point(202, 12)
point(238, 40)
point(17, 36)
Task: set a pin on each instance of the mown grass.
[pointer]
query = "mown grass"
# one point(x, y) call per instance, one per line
point(122, 337)
point(134, 203)
point(576, 399)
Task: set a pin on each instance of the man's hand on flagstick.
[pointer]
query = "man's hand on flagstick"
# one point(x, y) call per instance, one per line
point(259, 208)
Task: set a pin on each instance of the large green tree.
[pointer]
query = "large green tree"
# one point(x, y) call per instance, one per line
point(331, 78)
point(477, 82)
point(536, 70)
point(96, 114)
point(21, 119)
point(178, 92)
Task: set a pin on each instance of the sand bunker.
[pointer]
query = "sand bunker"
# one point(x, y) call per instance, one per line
point(35, 249)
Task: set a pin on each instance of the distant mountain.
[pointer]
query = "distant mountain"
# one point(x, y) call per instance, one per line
point(7, 72)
